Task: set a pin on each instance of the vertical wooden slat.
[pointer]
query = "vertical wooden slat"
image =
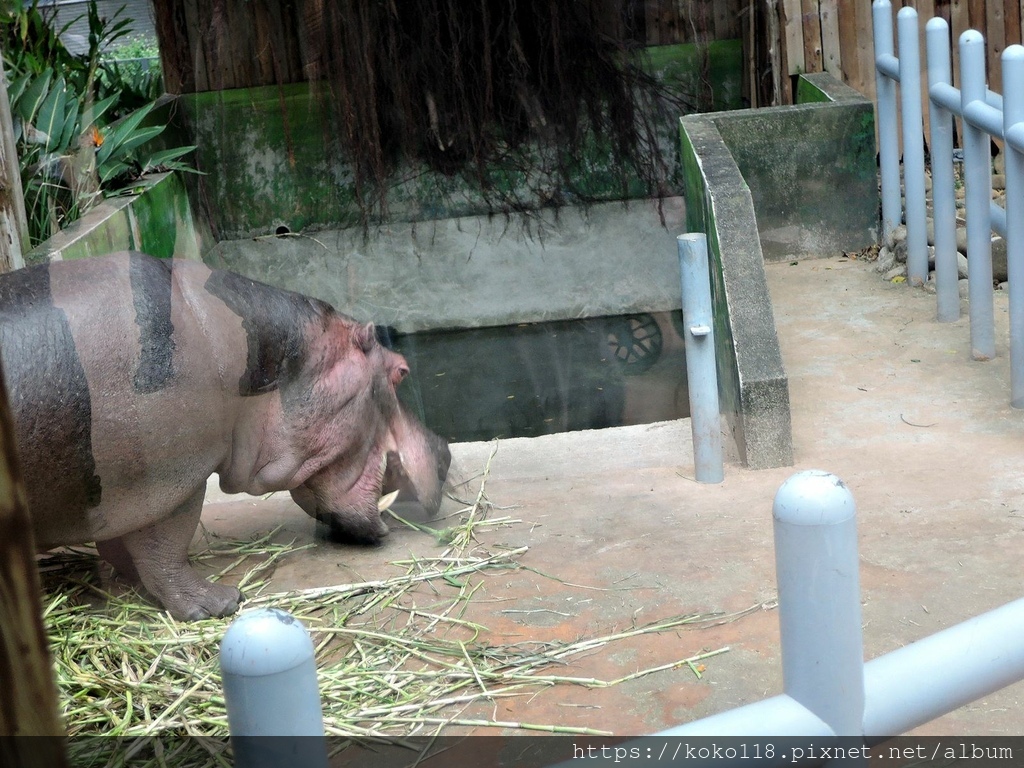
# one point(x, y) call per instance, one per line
point(724, 17)
point(855, 46)
point(652, 12)
point(794, 34)
point(831, 51)
point(1011, 21)
point(959, 22)
point(28, 696)
point(13, 223)
point(812, 35)
point(995, 42)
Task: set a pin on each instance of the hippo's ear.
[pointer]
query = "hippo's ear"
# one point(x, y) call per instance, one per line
point(365, 336)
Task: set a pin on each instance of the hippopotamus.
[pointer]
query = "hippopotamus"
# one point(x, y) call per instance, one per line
point(133, 379)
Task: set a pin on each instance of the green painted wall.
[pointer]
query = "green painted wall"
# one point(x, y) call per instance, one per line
point(262, 151)
point(158, 221)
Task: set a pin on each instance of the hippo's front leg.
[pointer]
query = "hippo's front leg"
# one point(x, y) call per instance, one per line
point(159, 556)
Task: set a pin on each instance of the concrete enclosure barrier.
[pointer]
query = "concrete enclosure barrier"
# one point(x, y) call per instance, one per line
point(775, 183)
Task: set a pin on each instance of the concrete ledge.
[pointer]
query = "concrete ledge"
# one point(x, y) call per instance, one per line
point(158, 221)
point(775, 183)
point(479, 271)
point(810, 168)
point(754, 391)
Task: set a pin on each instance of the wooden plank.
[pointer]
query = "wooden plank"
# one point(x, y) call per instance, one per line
point(856, 47)
point(194, 31)
point(794, 35)
point(725, 19)
point(172, 34)
point(831, 50)
point(1011, 21)
point(995, 42)
point(14, 238)
point(812, 35)
point(652, 14)
point(28, 696)
point(959, 22)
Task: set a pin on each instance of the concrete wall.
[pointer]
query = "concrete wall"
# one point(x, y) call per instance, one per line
point(265, 155)
point(786, 182)
point(475, 271)
point(158, 221)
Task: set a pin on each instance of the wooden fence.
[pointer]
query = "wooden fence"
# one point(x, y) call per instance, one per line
point(835, 35)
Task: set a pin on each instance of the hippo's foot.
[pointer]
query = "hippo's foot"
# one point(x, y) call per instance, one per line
point(204, 600)
point(158, 556)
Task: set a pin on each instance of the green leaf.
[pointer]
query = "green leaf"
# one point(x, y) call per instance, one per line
point(110, 170)
point(34, 94)
point(17, 88)
point(120, 132)
point(51, 115)
point(166, 156)
point(70, 126)
point(98, 110)
point(139, 138)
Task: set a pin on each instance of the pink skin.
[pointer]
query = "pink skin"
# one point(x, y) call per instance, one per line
point(330, 452)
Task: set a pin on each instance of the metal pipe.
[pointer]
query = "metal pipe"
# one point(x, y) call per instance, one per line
point(917, 683)
point(816, 567)
point(887, 116)
point(913, 146)
point(701, 368)
point(978, 182)
point(943, 190)
point(1013, 116)
point(268, 668)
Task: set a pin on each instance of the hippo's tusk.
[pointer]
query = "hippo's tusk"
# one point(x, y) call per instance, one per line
point(386, 501)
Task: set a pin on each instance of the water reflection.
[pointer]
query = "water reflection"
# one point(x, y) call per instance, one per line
point(541, 378)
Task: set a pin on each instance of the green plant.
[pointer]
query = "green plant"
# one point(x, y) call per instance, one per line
point(80, 123)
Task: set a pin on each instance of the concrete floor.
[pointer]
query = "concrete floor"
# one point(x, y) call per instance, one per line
point(882, 395)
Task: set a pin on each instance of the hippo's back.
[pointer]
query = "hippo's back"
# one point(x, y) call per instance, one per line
point(93, 353)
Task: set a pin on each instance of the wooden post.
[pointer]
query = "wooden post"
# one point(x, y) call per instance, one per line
point(28, 696)
point(13, 223)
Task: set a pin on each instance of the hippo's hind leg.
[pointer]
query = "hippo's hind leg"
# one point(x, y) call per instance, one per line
point(159, 555)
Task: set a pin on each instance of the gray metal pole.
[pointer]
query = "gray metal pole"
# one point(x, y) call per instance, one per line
point(913, 146)
point(919, 682)
point(268, 668)
point(701, 369)
point(943, 191)
point(816, 567)
point(1013, 119)
point(887, 114)
point(978, 182)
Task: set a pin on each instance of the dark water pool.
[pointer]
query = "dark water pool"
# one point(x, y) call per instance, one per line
point(541, 378)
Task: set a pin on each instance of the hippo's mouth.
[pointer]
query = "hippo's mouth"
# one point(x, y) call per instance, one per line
point(353, 514)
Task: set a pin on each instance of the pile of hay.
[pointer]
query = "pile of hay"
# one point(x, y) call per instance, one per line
point(395, 657)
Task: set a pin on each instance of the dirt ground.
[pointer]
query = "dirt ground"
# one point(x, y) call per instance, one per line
point(882, 395)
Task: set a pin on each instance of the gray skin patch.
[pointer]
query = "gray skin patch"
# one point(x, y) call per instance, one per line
point(274, 322)
point(49, 394)
point(151, 296)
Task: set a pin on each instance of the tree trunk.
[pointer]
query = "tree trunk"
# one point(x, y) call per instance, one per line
point(13, 224)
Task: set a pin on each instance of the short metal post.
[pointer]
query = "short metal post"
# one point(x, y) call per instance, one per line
point(978, 182)
point(1013, 130)
point(701, 368)
point(913, 146)
point(943, 191)
point(816, 568)
point(268, 668)
point(887, 116)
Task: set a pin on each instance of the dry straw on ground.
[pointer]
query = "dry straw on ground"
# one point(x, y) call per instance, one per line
point(396, 657)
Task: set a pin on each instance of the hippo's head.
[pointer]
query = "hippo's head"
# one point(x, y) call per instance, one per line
point(376, 445)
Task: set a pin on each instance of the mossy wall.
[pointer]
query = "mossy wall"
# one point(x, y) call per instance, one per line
point(158, 220)
point(262, 150)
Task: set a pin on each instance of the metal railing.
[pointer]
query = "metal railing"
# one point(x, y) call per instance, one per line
point(984, 115)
